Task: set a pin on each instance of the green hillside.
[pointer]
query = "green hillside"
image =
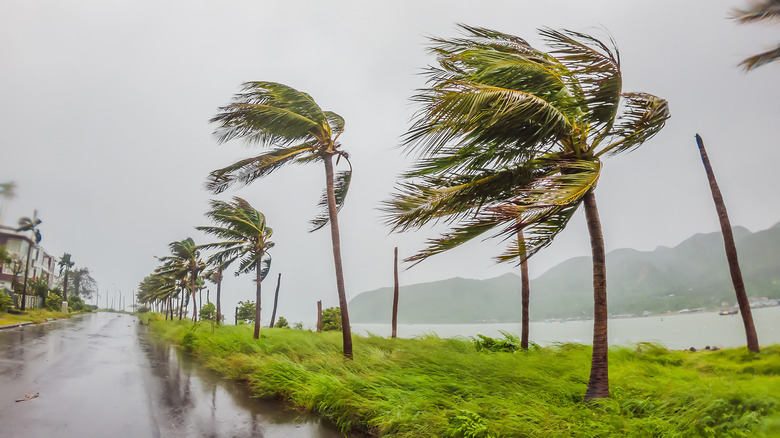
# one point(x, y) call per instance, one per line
point(692, 274)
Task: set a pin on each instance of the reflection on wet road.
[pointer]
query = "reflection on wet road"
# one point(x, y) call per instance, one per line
point(101, 375)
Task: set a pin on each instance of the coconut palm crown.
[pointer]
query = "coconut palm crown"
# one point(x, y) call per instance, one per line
point(245, 238)
point(507, 131)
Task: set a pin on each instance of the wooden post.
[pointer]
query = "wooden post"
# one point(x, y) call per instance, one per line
point(395, 294)
point(319, 316)
point(276, 299)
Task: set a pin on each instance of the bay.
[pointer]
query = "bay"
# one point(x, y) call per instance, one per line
point(675, 331)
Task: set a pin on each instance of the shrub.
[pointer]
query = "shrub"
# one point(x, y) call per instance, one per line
point(5, 301)
point(331, 319)
point(509, 344)
point(208, 312)
point(282, 323)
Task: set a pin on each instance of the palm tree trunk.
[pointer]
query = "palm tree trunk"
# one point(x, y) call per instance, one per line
point(181, 305)
point(395, 294)
point(276, 299)
point(65, 287)
point(346, 330)
point(26, 273)
point(598, 384)
point(525, 293)
point(219, 295)
point(731, 253)
point(258, 278)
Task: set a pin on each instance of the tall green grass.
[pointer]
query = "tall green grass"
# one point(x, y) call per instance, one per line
point(432, 387)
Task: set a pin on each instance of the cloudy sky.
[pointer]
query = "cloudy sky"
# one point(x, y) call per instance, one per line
point(104, 109)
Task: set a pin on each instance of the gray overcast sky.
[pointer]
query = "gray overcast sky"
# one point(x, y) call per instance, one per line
point(104, 109)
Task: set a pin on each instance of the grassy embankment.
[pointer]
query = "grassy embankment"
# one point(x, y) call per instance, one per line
point(431, 387)
point(35, 315)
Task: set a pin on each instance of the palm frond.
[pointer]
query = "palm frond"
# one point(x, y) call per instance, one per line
point(756, 61)
point(341, 183)
point(336, 123)
point(246, 171)
point(642, 117)
point(758, 10)
point(595, 75)
point(270, 113)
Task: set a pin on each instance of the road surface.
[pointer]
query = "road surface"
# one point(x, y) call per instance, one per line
point(99, 375)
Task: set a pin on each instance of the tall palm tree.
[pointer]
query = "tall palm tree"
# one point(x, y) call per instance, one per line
point(185, 265)
point(246, 238)
point(757, 11)
point(731, 252)
point(65, 263)
point(510, 138)
point(274, 115)
point(214, 275)
point(31, 225)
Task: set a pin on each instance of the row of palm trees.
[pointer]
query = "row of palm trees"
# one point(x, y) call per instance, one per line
point(509, 140)
point(244, 239)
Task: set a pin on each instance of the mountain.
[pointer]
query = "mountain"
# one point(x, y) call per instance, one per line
point(692, 274)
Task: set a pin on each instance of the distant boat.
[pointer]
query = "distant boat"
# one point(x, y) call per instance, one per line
point(729, 312)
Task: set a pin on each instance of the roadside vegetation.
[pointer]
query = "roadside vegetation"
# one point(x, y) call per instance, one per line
point(432, 387)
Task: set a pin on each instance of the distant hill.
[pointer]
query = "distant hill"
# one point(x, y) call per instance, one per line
point(692, 274)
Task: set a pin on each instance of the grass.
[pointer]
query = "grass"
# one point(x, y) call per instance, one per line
point(432, 387)
point(34, 315)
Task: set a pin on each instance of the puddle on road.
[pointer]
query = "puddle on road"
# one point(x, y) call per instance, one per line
point(195, 401)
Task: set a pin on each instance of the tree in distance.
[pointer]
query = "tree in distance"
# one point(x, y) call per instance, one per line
point(331, 319)
point(275, 115)
point(282, 323)
point(246, 312)
point(245, 238)
point(29, 224)
point(510, 138)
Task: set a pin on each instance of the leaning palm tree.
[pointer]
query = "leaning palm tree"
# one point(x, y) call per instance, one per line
point(31, 225)
point(731, 251)
point(510, 138)
point(759, 10)
point(245, 238)
point(275, 115)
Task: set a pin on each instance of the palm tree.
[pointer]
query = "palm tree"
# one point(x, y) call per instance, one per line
point(276, 300)
point(273, 114)
point(215, 276)
point(731, 252)
point(759, 10)
point(31, 225)
point(185, 265)
point(65, 263)
point(246, 238)
point(510, 138)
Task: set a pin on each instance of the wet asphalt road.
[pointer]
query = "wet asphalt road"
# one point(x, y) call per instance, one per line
point(100, 376)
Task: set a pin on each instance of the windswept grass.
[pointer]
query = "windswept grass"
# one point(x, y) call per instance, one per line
point(432, 387)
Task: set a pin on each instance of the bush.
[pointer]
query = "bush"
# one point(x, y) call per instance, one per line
point(208, 312)
point(331, 319)
point(76, 303)
point(5, 301)
point(246, 312)
point(509, 344)
point(282, 323)
point(54, 302)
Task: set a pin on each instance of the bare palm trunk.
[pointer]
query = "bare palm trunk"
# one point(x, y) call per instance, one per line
point(731, 253)
point(258, 278)
point(65, 287)
point(219, 295)
point(525, 293)
point(168, 309)
point(346, 330)
point(395, 294)
point(26, 273)
point(276, 299)
point(319, 316)
point(598, 384)
point(181, 306)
